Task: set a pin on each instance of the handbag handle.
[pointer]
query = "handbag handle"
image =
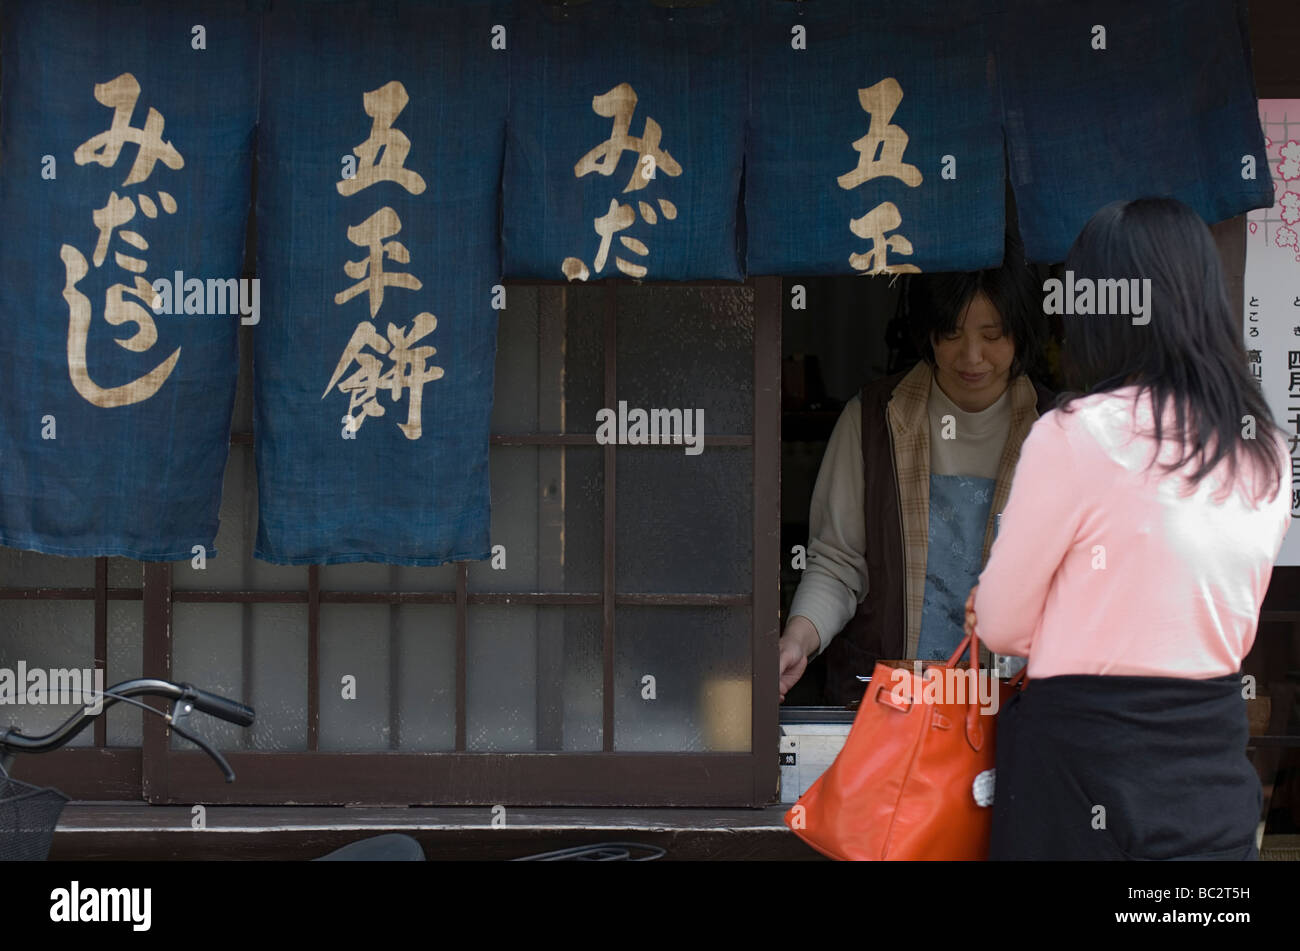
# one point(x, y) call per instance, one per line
point(974, 729)
point(974, 726)
point(1015, 680)
point(974, 642)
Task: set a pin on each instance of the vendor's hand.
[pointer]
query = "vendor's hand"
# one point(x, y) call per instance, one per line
point(798, 642)
point(970, 611)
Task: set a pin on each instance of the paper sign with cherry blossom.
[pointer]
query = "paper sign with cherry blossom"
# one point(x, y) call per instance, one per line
point(1279, 226)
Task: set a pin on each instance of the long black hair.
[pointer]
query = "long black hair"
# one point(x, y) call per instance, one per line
point(936, 303)
point(1190, 349)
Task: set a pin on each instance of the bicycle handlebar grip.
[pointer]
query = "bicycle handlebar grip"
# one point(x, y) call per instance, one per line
point(231, 711)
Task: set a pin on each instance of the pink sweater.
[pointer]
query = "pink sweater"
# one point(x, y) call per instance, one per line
point(1100, 567)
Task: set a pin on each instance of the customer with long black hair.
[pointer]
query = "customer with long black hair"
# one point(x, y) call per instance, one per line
point(1132, 560)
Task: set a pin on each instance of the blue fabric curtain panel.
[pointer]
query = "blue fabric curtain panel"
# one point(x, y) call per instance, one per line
point(874, 139)
point(1112, 99)
point(626, 140)
point(126, 132)
point(380, 151)
point(412, 154)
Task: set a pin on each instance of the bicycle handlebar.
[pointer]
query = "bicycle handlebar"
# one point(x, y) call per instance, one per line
point(184, 696)
point(232, 711)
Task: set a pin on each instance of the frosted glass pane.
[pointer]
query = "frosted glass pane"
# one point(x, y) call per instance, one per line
point(583, 694)
point(547, 510)
point(533, 678)
point(514, 404)
point(426, 638)
point(208, 651)
point(125, 662)
point(368, 576)
point(682, 347)
point(125, 573)
point(235, 568)
point(278, 677)
point(501, 679)
point(253, 653)
point(583, 309)
point(700, 661)
point(416, 578)
point(45, 635)
point(29, 569)
point(356, 643)
point(550, 350)
point(684, 523)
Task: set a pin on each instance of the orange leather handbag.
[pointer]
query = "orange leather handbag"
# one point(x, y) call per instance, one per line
point(915, 777)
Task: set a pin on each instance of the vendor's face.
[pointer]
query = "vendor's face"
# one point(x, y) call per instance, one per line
point(973, 364)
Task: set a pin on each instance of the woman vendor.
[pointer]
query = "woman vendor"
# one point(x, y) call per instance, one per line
point(917, 466)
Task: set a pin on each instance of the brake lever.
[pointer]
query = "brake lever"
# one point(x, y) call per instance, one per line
point(181, 710)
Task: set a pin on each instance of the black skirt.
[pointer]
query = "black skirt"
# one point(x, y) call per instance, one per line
point(1115, 768)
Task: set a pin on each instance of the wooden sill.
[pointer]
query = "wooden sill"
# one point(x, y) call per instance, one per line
point(137, 831)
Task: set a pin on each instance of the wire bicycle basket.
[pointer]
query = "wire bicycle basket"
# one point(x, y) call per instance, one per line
point(28, 815)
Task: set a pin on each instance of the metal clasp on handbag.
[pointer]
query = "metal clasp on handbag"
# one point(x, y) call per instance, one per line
point(854, 704)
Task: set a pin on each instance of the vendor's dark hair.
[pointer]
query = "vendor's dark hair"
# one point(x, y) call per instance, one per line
point(1190, 351)
point(936, 303)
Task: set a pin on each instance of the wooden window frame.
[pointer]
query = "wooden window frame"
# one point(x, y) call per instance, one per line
point(164, 775)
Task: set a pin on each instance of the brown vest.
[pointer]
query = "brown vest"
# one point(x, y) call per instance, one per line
point(878, 629)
